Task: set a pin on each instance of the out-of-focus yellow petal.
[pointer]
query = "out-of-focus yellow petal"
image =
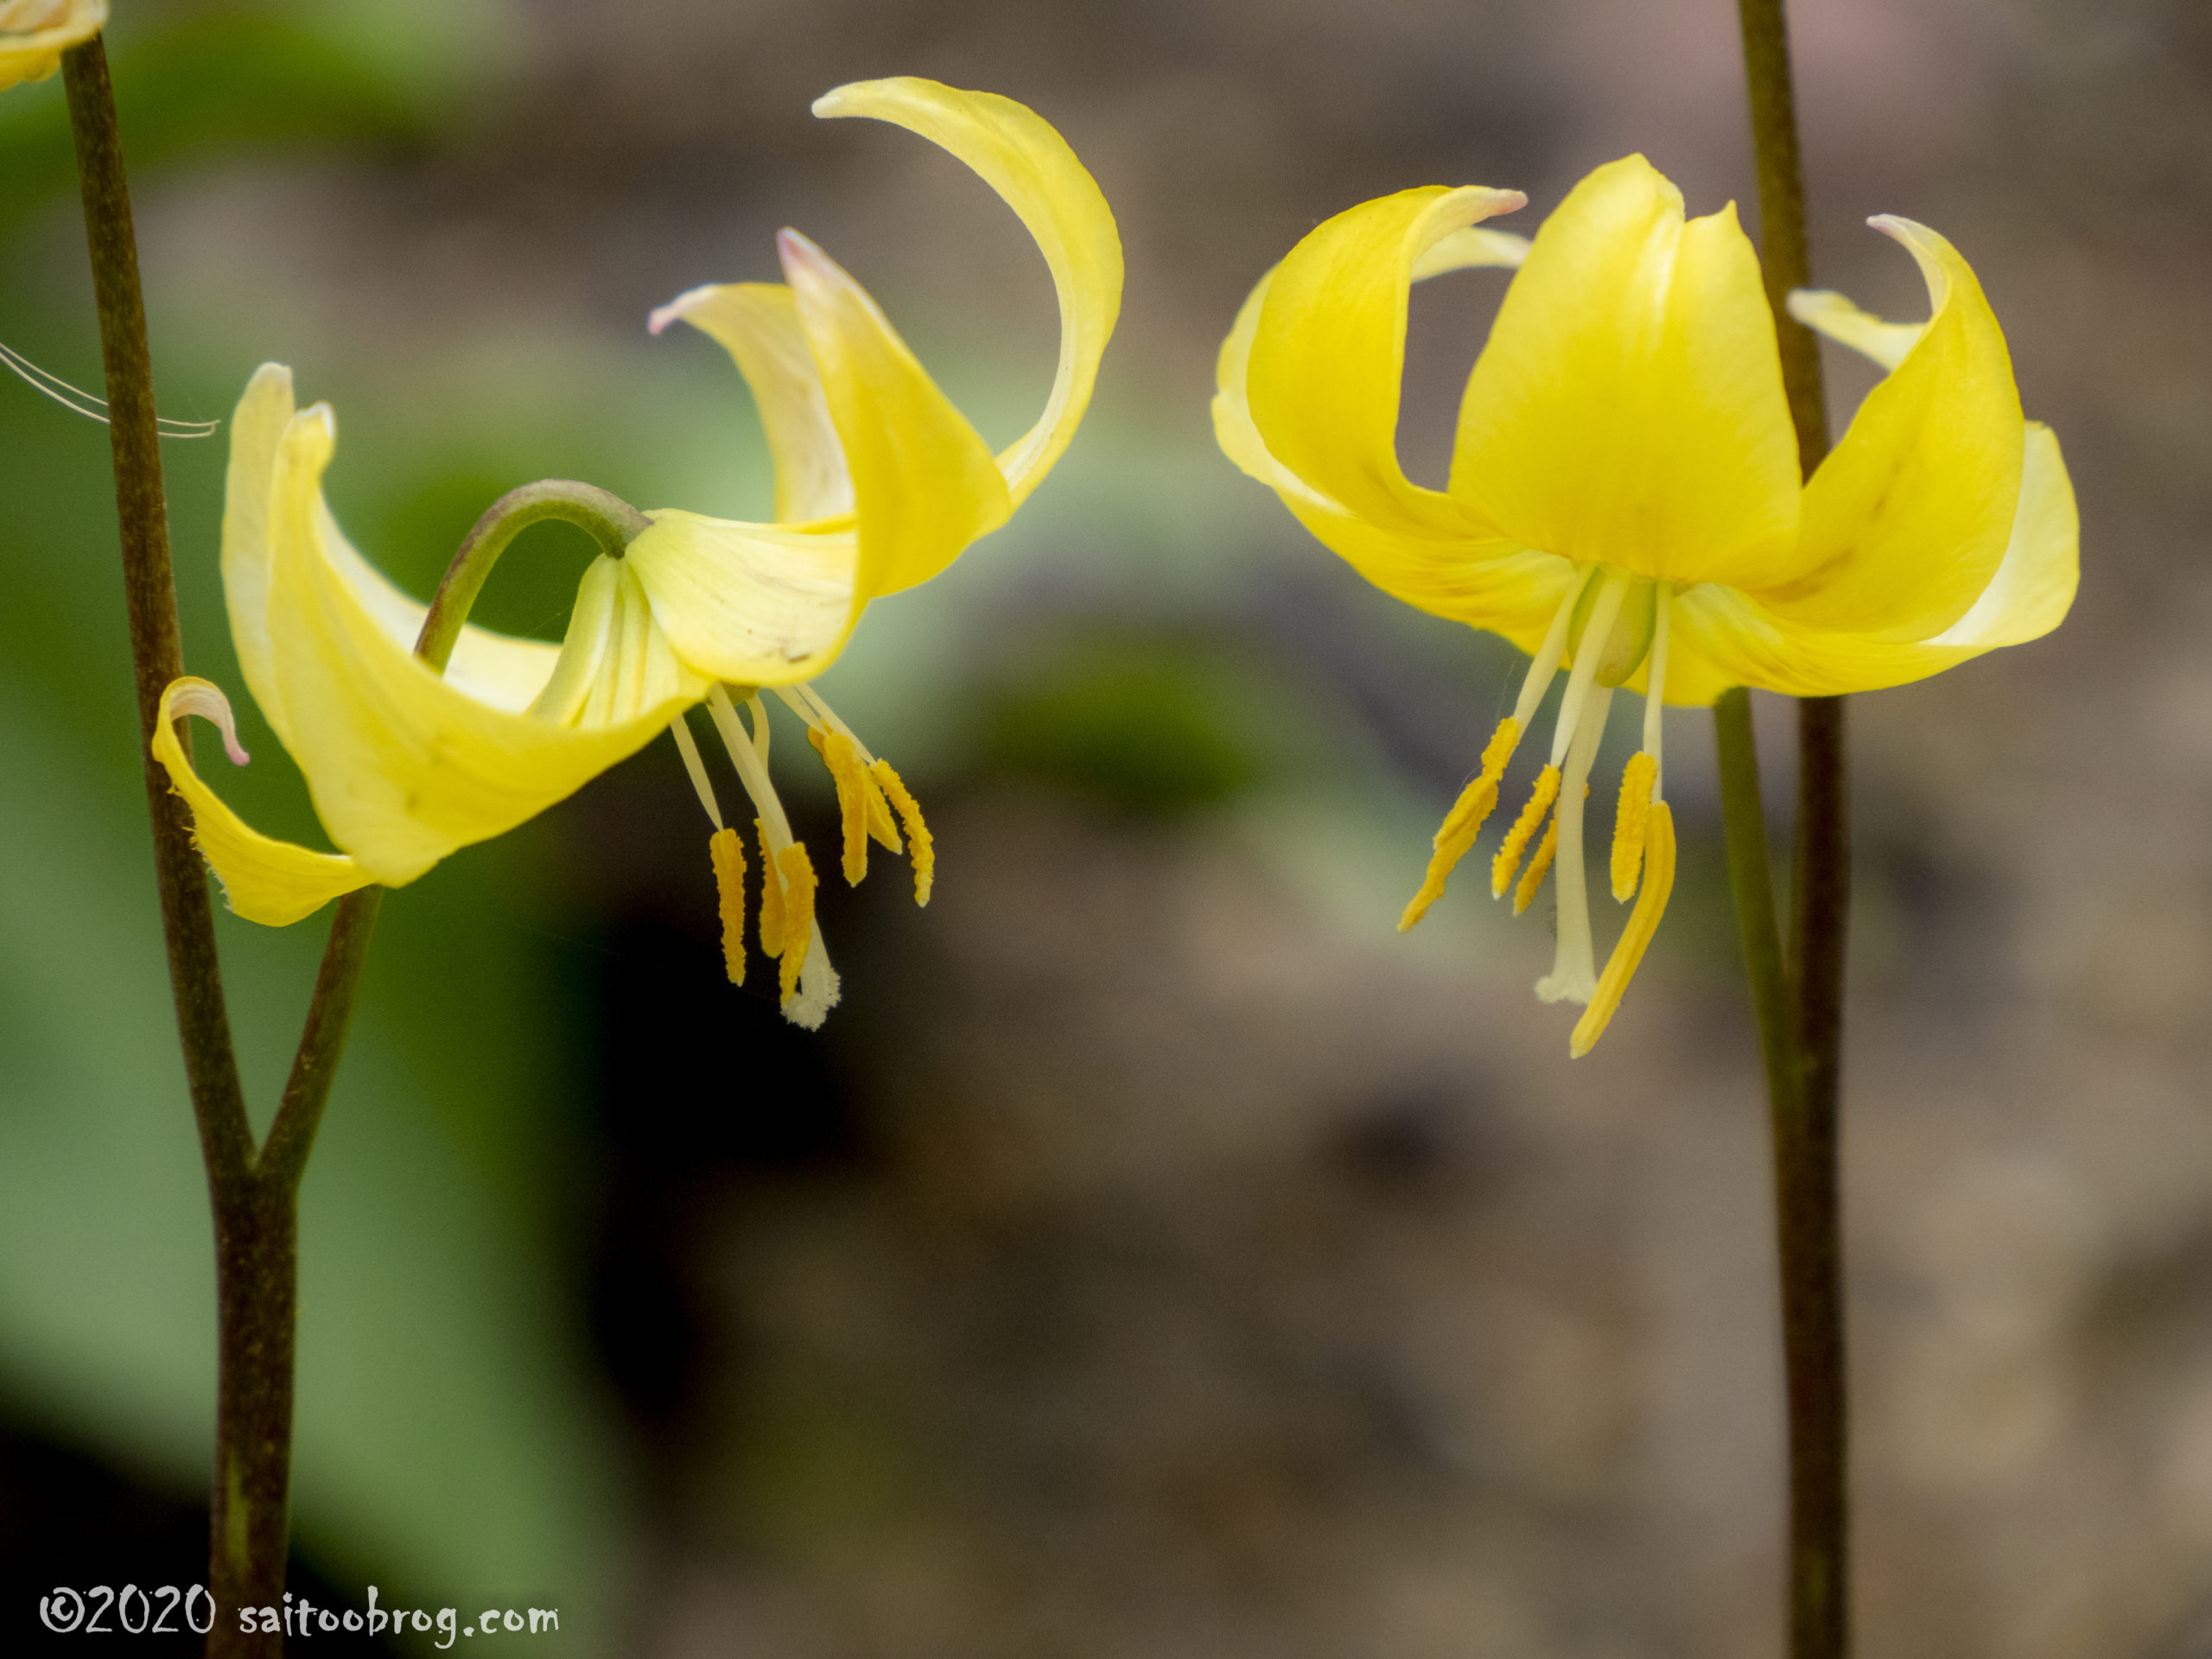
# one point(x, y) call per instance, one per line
point(749, 604)
point(33, 34)
point(403, 765)
point(1326, 356)
point(757, 324)
point(1015, 152)
point(1722, 638)
point(266, 881)
point(1826, 312)
point(1629, 407)
point(494, 668)
point(1908, 515)
point(924, 484)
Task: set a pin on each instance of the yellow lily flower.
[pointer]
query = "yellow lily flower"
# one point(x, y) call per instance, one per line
point(1625, 502)
point(880, 484)
point(33, 34)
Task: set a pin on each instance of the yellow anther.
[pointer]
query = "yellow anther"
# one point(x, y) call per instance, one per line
point(844, 763)
point(797, 870)
point(1464, 821)
point(919, 844)
point(880, 822)
point(772, 897)
point(1523, 830)
point(1539, 867)
point(1629, 818)
point(1642, 923)
point(726, 848)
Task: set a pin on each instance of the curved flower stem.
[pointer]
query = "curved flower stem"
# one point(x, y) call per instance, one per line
point(609, 519)
point(1806, 1197)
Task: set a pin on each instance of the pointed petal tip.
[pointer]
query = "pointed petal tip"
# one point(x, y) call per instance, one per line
point(677, 308)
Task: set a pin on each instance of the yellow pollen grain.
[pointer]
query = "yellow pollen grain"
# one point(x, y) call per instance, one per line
point(1532, 878)
point(772, 897)
point(1464, 821)
point(726, 848)
point(919, 843)
point(1642, 923)
point(797, 872)
point(1524, 829)
point(1629, 818)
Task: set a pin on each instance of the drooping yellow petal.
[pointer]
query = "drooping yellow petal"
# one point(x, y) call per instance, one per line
point(403, 765)
point(1627, 407)
point(266, 881)
point(1019, 156)
point(749, 604)
point(757, 324)
point(493, 668)
point(726, 847)
point(33, 34)
point(924, 484)
point(1466, 573)
point(1724, 639)
point(1642, 923)
point(1910, 515)
point(1327, 356)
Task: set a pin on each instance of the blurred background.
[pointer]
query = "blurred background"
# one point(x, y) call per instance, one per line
point(1155, 1254)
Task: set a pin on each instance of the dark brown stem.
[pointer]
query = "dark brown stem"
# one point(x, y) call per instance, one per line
point(253, 1239)
point(150, 590)
point(1808, 1201)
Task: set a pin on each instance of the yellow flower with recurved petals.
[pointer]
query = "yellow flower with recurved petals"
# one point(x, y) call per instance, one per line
point(1625, 500)
point(33, 34)
point(880, 483)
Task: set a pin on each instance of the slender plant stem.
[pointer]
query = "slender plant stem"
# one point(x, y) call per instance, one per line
point(149, 589)
point(1808, 1200)
point(610, 521)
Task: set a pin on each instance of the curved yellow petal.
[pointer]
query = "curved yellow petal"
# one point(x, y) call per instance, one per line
point(1909, 514)
point(1018, 154)
point(494, 668)
point(749, 604)
point(1471, 577)
point(33, 34)
point(266, 881)
point(924, 484)
point(757, 324)
point(403, 765)
point(1467, 248)
point(1627, 407)
point(1484, 582)
point(1326, 357)
point(1826, 312)
point(1722, 638)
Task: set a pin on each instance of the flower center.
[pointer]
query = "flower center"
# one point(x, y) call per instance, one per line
point(1614, 623)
